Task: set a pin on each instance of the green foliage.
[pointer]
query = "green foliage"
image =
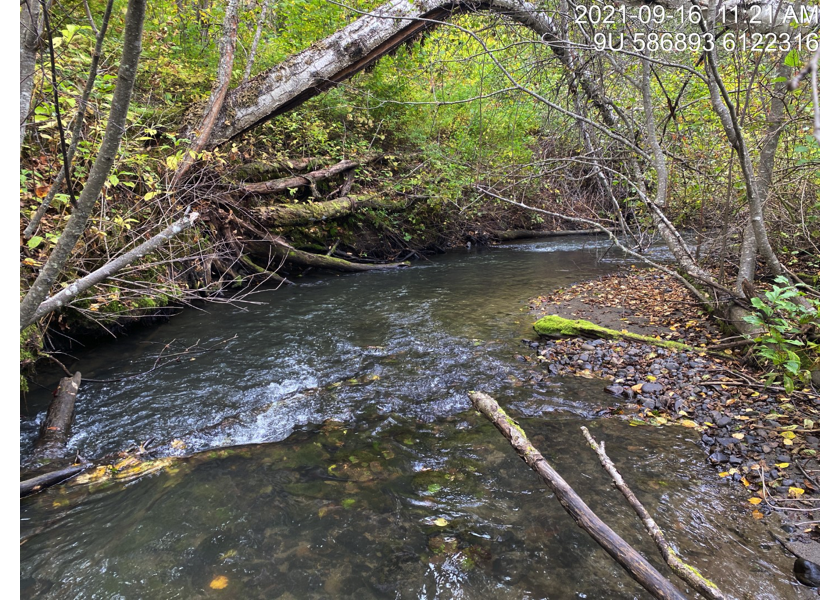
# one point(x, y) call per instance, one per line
point(784, 348)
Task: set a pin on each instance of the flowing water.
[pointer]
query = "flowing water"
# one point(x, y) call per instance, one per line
point(336, 455)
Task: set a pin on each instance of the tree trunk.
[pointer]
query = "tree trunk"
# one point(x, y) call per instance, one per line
point(622, 552)
point(252, 55)
point(338, 57)
point(109, 269)
point(227, 49)
point(56, 426)
point(31, 28)
point(133, 35)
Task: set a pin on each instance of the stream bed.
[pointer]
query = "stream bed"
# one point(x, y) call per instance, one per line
point(336, 454)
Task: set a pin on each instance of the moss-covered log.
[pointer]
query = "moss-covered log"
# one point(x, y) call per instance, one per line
point(262, 171)
point(283, 215)
point(553, 326)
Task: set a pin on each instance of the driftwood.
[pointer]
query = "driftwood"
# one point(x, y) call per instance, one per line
point(56, 426)
point(623, 553)
point(685, 572)
point(280, 215)
point(42, 482)
point(281, 185)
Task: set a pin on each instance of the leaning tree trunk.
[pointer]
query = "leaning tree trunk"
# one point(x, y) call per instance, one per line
point(338, 57)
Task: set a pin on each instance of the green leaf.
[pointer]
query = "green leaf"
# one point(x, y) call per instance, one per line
point(34, 242)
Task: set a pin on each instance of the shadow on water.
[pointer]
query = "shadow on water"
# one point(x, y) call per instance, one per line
point(353, 466)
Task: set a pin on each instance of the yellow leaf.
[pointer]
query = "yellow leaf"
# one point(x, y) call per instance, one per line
point(755, 500)
point(441, 522)
point(219, 583)
point(661, 420)
point(788, 442)
point(42, 190)
point(178, 444)
point(783, 465)
point(688, 423)
point(757, 514)
point(738, 436)
point(795, 492)
point(637, 388)
point(322, 511)
point(651, 378)
point(745, 482)
point(788, 435)
point(724, 474)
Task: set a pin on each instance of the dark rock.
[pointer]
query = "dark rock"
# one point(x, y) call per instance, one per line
point(725, 441)
point(719, 457)
point(615, 390)
point(783, 458)
point(649, 404)
point(735, 460)
point(652, 388)
point(787, 482)
point(806, 572)
point(708, 440)
point(723, 421)
point(587, 347)
point(587, 365)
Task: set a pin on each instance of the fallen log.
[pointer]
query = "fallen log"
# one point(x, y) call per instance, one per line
point(521, 234)
point(262, 171)
point(553, 326)
point(56, 426)
point(281, 185)
point(622, 552)
point(321, 261)
point(281, 215)
point(684, 571)
point(42, 482)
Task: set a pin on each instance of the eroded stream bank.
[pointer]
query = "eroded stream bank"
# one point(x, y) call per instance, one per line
point(381, 483)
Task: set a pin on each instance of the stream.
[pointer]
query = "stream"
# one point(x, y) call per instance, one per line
point(334, 453)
